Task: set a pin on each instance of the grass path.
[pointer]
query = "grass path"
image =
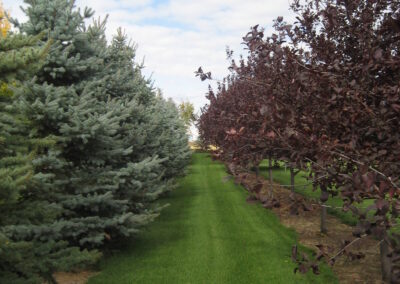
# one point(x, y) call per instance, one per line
point(208, 234)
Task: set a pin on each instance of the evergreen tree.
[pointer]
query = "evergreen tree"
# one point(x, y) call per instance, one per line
point(167, 137)
point(156, 129)
point(107, 146)
point(66, 102)
point(97, 103)
point(145, 169)
point(24, 260)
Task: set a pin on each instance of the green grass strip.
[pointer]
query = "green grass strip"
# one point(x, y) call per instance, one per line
point(209, 234)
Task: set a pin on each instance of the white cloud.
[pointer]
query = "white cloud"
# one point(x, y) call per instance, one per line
point(13, 7)
point(178, 36)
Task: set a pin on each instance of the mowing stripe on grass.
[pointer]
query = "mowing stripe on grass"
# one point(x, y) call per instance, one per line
point(209, 234)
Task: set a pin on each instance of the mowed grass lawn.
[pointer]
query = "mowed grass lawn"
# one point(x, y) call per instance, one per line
point(209, 234)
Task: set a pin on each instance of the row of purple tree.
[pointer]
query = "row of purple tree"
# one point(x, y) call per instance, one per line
point(323, 95)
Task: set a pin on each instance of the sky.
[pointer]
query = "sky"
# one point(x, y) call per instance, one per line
point(175, 37)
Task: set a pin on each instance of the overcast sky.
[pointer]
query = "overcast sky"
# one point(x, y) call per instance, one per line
point(175, 37)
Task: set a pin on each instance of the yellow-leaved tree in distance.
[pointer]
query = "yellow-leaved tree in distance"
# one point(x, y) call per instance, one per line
point(4, 22)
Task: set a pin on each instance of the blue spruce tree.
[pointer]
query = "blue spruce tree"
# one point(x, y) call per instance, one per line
point(112, 159)
point(25, 260)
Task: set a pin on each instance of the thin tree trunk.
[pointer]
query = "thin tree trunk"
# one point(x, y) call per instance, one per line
point(270, 170)
point(292, 175)
point(314, 184)
point(324, 212)
point(385, 263)
point(257, 170)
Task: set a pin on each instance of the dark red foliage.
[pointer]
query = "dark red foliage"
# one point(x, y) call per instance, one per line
point(322, 93)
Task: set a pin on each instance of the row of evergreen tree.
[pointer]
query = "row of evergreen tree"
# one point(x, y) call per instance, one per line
point(86, 144)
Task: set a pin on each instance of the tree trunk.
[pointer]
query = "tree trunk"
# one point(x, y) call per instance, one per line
point(270, 170)
point(292, 175)
point(324, 213)
point(257, 170)
point(314, 184)
point(385, 263)
point(324, 209)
